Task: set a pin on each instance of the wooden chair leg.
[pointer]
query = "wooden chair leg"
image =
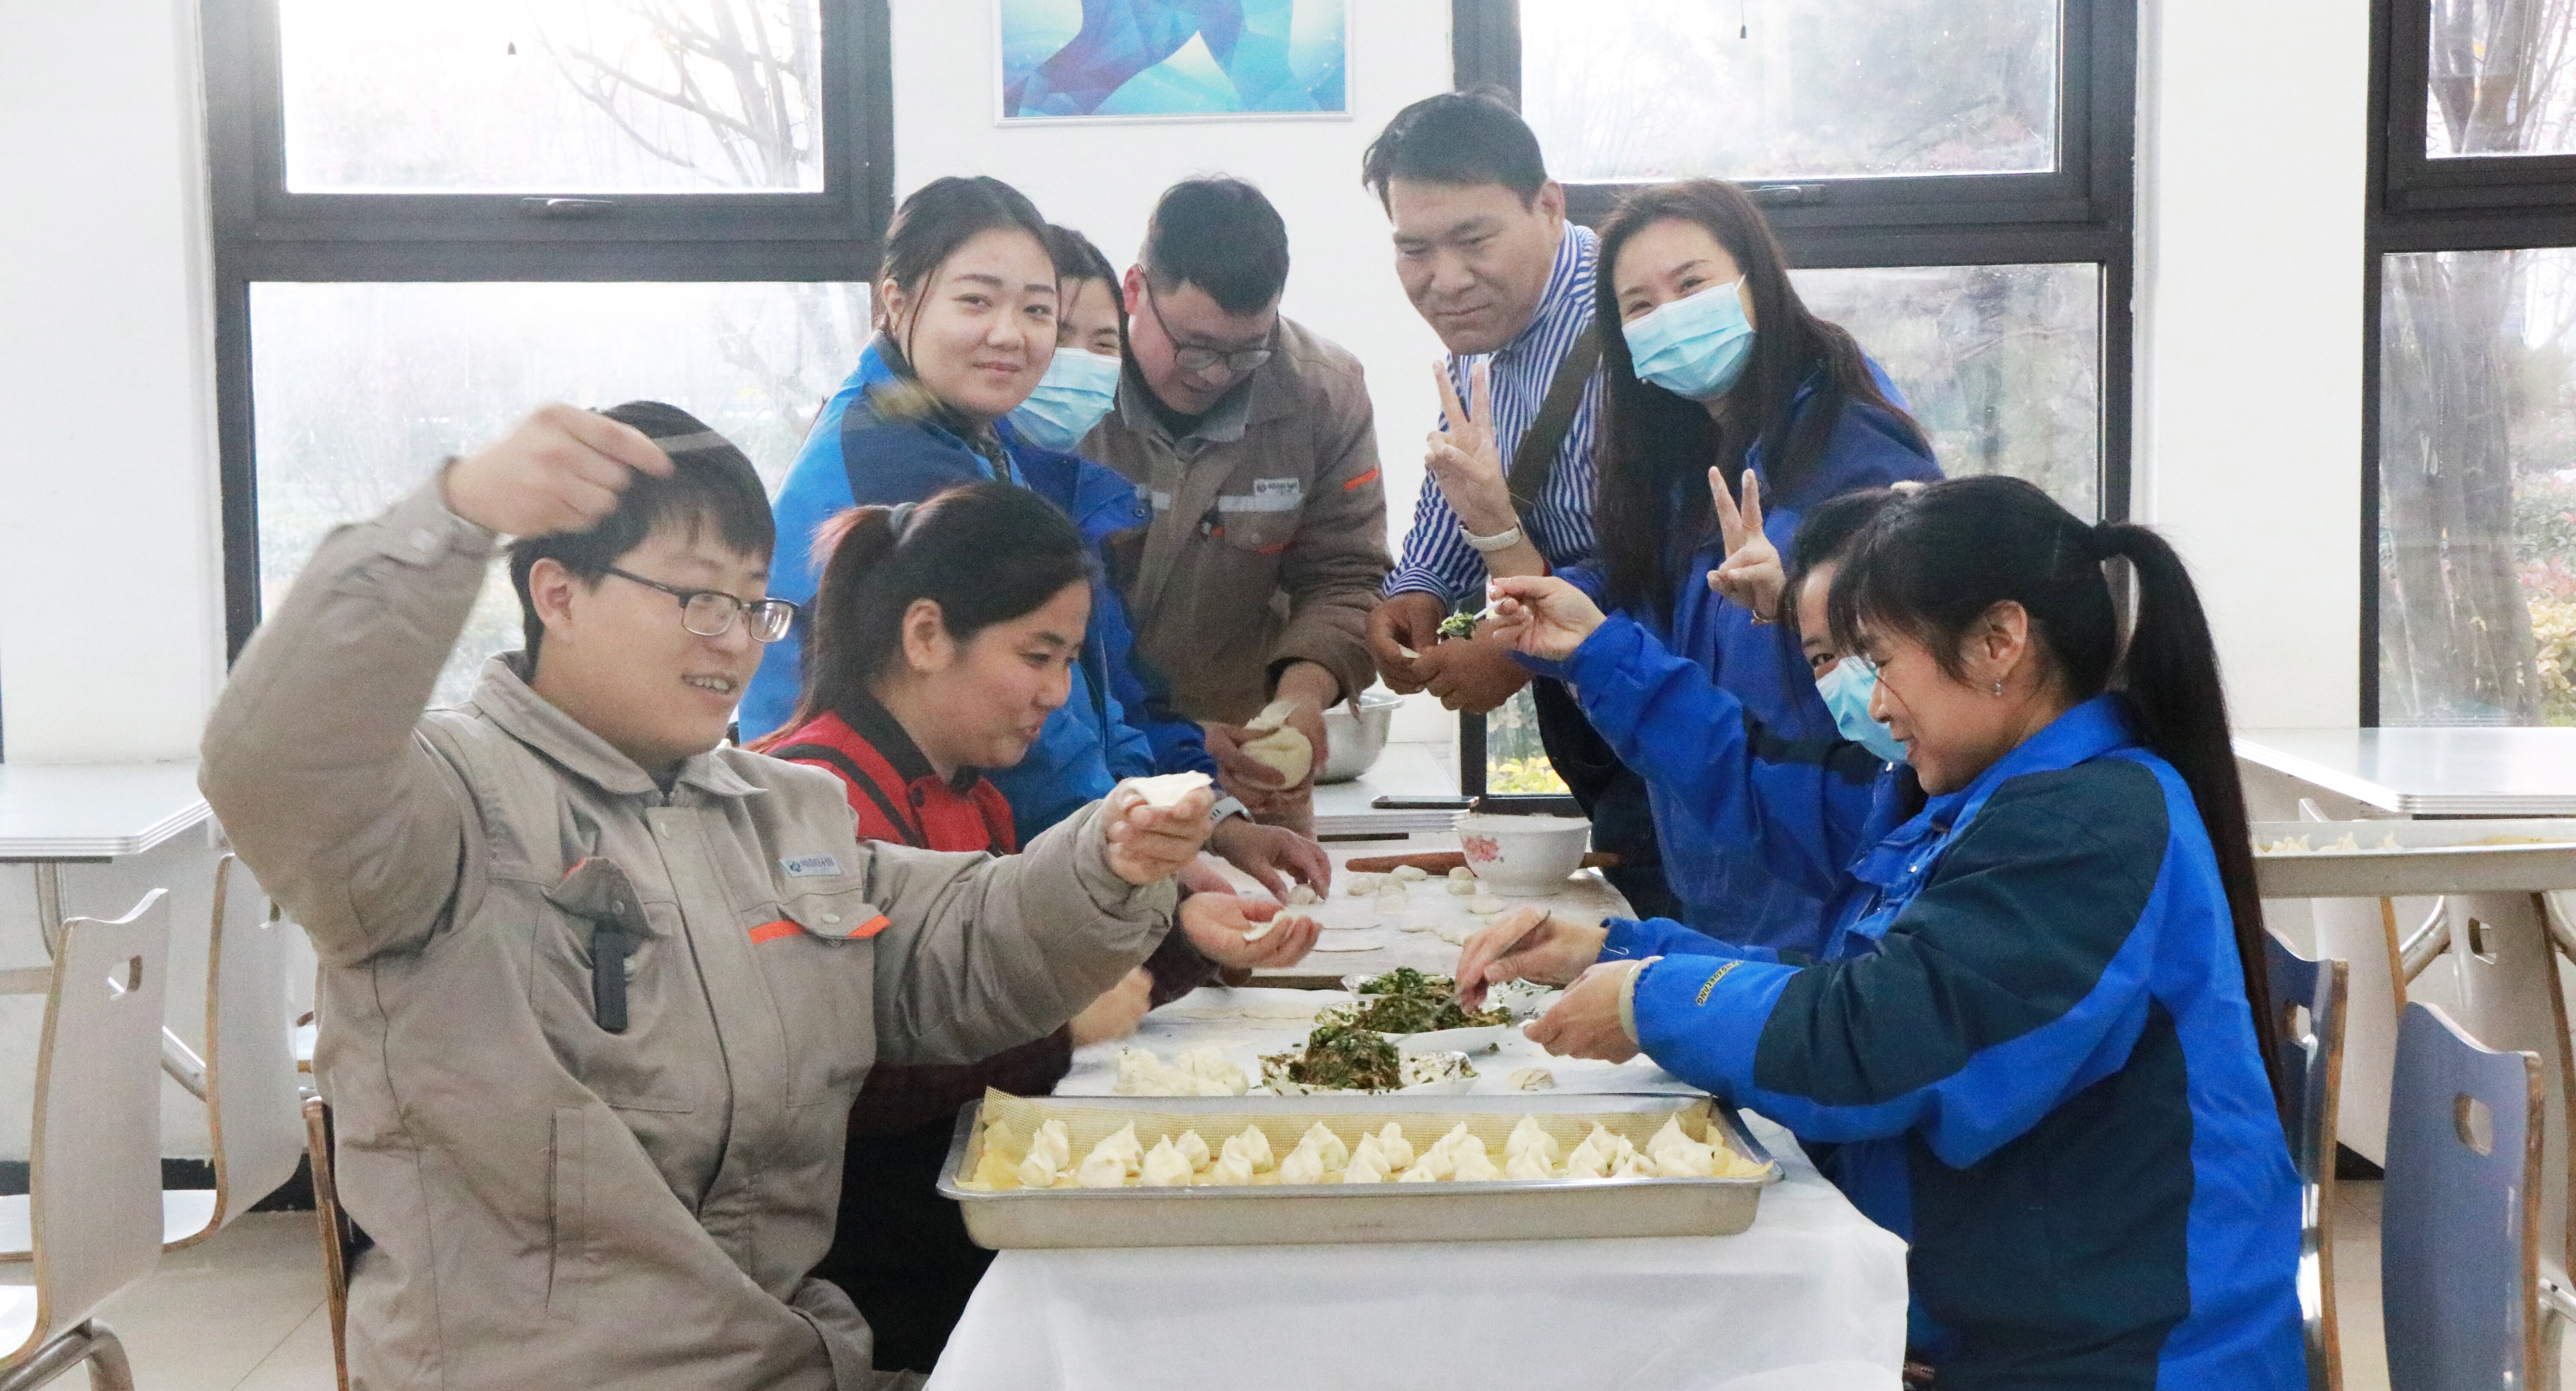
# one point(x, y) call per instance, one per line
point(326, 1212)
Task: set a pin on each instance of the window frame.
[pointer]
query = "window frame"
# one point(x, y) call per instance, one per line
point(262, 233)
point(2418, 204)
point(2084, 212)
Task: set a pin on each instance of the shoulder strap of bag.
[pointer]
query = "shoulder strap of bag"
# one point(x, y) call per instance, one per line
point(1534, 463)
point(858, 777)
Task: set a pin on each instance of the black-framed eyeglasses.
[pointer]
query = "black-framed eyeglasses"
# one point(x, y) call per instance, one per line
point(1194, 358)
point(709, 613)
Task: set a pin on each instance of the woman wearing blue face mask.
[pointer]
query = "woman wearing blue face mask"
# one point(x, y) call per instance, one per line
point(1719, 371)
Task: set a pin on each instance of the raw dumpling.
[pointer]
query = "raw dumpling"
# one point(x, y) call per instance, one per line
point(1170, 788)
point(1300, 896)
point(1282, 747)
point(1421, 1173)
point(1397, 1149)
point(1101, 1170)
point(1462, 875)
point(1475, 1167)
point(1362, 885)
point(1412, 874)
point(1232, 1171)
point(1634, 1165)
point(1252, 1147)
point(1434, 1164)
point(1195, 1150)
point(1448, 1144)
point(1165, 1166)
point(1686, 1161)
point(1530, 1163)
point(1463, 888)
point(1124, 1146)
point(1368, 1151)
point(1303, 1165)
point(1530, 1079)
point(1530, 1135)
point(1055, 1142)
point(1486, 905)
point(1367, 1166)
point(1210, 1064)
point(1327, 1144)
point(1670, 1135)
point(1040, 1170)
point(1587, 1162)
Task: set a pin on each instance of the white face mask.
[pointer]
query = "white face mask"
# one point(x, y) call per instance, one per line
point(1076, 392)
point(1846, 690)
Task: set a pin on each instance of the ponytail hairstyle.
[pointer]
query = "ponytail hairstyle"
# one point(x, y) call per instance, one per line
point(1655, 444)
point(1931, 565)
point(986, 553)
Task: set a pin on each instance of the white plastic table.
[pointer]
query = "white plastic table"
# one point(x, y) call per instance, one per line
point(1810, 1298)
point(54, 814)
point(2427, 772)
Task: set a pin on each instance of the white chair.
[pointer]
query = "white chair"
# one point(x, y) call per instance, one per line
point(255, 1110)
point(95, 1181)
point(254, 1107)
point(2310, 998)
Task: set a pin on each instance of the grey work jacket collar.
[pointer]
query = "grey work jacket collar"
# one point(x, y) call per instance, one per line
point(506, 698)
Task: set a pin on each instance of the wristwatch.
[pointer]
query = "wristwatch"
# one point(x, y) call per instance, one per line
point(1228, 805)
point(1500, 541)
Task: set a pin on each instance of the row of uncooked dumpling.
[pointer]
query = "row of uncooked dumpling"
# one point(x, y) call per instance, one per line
point(1382, 1156)
point(1201, 1071)
point(1389, 888)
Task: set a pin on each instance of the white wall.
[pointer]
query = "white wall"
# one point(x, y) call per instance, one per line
point(2251, 164)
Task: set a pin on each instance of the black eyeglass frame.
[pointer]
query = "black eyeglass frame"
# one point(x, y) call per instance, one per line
point(1233, 358)
point(784, 609)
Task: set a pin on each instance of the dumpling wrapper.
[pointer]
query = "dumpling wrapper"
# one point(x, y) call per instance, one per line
point(1101, 1170)
point(1303, 1165)
point(1300, 896)
point(1165, 1166)
point(1264, 929)
point(1195, 1150)
point(1168, 789)
point(1282, 747)
point(1039, 1170)
point(1330, 1146)
point(1486, 905)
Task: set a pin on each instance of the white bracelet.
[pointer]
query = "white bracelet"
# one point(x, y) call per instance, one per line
point(1500, 541)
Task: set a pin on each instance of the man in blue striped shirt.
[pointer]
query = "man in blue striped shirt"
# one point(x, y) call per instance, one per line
point(1488, 258)
point(1485, 252)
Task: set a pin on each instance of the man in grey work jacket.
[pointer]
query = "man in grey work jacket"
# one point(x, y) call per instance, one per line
point(1485, 252)
point(1253, 439)
point(597, 993)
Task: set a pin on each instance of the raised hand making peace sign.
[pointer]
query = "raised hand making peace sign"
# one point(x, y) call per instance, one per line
point(1464, 460)
point(1751, 574)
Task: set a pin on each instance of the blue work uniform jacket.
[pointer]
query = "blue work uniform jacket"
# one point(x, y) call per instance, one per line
point(868, 448)
point(1726, 891)
point(2028, 1051)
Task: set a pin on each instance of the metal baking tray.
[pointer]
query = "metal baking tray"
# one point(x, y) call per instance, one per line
point(2433, 857)
point(1279, 1215)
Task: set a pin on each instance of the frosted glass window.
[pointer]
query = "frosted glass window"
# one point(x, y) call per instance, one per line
point(361, 390)
point(2001, 365)
point(552, 96)
point(1635, 91)
point(2502, 79)
point(2477, 488)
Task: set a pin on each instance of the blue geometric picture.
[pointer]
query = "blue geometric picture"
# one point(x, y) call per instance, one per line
point(1142, 59)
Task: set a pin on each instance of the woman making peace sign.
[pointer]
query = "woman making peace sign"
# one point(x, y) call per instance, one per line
point(1718, 369)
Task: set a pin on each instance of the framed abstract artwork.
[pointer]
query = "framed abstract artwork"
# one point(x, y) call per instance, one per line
point(1165, 60)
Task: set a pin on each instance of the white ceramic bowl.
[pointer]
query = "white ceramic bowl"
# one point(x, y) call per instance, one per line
point(1526, 856)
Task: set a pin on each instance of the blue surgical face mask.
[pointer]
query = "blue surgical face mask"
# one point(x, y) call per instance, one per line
point(1077, 390)
point(1694, 347)
point(1846, 690)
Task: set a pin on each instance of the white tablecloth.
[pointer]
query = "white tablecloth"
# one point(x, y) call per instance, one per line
point(1811, 1298)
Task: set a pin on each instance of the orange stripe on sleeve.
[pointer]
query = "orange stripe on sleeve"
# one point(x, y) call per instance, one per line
point(870, 928)
point(1354, 485)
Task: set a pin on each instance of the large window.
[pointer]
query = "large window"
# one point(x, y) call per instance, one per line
point(1951, 177)
point(2470, 617)
point(430, 218)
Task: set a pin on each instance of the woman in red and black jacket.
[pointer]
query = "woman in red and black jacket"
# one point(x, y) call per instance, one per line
point(943, 635)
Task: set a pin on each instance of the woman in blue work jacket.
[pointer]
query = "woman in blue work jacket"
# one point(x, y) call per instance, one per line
point(1717, 368)
point(2042, 1056)
point(969, 314)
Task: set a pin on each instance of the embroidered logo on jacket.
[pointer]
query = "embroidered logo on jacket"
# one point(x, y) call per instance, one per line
point(1713, 978)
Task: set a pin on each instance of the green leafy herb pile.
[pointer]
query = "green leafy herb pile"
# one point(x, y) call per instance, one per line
point(1342, 1058)
point(1405, 1001)
point(1461, 624)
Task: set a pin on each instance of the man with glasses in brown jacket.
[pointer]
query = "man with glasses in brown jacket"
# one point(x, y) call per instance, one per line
point(1253, 440)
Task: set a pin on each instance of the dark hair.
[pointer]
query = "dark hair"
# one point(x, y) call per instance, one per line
point(1076, 258)
point(1931, 565)
point(1825, 532)
point(712, 484)
point(1221, 235)
point(1469, 137)
point(1656, 447)
point(943, 215)
point(986, 553)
